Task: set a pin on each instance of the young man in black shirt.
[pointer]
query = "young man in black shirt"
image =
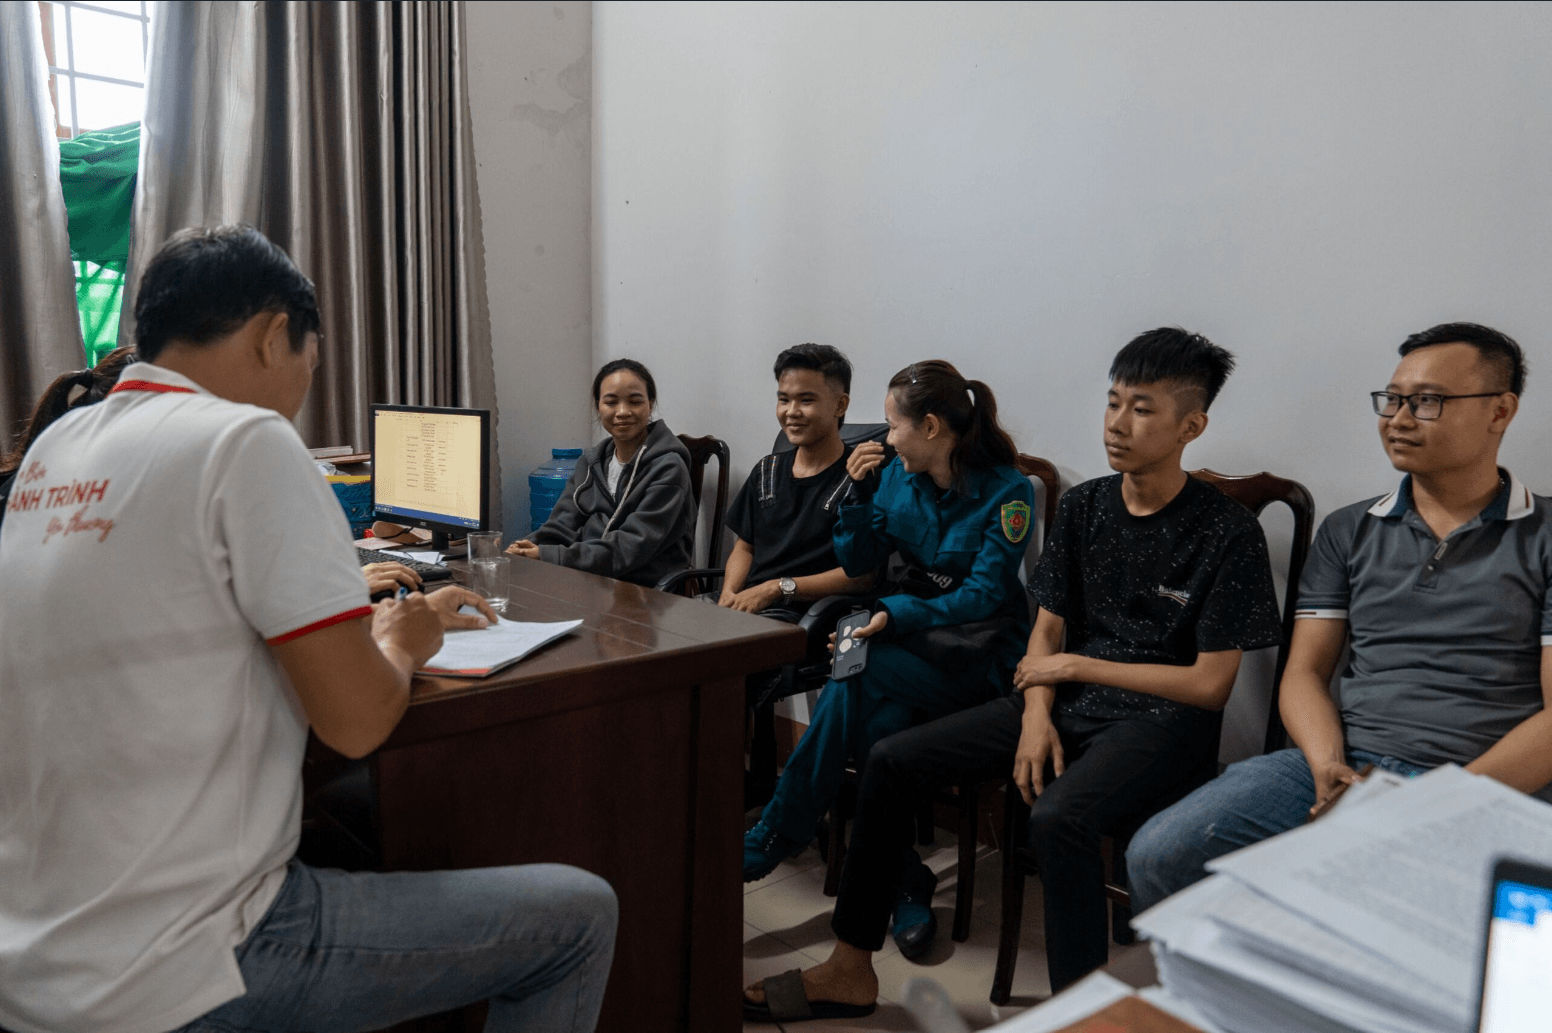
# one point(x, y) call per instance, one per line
point(1158, 583)
point(784, 516)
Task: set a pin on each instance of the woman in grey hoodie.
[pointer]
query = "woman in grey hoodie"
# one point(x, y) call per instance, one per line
point(627, 511)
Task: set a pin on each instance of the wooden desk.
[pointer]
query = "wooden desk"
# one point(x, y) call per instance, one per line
point(618, 749)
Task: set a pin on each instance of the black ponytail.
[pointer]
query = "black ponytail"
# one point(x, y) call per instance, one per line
point(93, 384)
point(968, 407)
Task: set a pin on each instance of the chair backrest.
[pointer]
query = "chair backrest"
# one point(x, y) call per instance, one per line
point(1051, 484)
point(851, 433)
point(702, 450)
point(1255, 492)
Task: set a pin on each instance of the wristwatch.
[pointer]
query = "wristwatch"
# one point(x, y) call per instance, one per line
point(789, 588)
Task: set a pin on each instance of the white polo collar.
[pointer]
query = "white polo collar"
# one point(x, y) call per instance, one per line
point(1513, 501)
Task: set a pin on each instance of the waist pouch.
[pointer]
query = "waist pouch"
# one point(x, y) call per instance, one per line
point(963, 651)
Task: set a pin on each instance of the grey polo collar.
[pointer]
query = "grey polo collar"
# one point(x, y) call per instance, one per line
point(1513, 501)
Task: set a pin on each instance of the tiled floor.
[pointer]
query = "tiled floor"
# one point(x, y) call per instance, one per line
point(787, 925)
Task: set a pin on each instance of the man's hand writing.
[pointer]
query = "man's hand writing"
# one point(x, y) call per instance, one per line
point(408, 628)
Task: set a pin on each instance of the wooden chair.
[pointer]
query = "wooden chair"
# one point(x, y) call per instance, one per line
point(1255, 492)
point(702, 451)
point(964, 799)
point(817, 623)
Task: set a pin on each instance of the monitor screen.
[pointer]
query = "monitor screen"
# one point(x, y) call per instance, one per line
point(430, 467)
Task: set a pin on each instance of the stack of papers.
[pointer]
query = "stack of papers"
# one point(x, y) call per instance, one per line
point(476, 653)
point(1368, 920)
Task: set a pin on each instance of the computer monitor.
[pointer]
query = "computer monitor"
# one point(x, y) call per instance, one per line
point(431, 469)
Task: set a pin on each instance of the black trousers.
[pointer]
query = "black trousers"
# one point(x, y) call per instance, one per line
point(1118, 773)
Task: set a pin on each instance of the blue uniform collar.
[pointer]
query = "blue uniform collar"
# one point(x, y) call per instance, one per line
point(1513, 501)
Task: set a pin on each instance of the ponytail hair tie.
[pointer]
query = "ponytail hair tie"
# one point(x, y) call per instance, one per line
point(84, 378)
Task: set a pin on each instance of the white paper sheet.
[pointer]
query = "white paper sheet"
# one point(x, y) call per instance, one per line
point(476, 653)
point(1165, 1001)
point(1264, 942)
point(429, 556)
point(1080, 1000)
point(1377, 783)
point(1405, 875)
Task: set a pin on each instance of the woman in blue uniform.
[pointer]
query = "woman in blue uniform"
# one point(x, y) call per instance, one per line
point(949, 515)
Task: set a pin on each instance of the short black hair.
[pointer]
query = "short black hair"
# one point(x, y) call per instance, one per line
point(1498, 350)
point(207, 281)
point(630, 366)
point(1170, 353)
point(821, 358)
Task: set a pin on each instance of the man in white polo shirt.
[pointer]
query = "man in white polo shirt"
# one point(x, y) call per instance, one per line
point(1442, 587)
point(182, 603)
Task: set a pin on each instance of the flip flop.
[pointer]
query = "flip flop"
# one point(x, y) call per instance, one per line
point(787, 1001)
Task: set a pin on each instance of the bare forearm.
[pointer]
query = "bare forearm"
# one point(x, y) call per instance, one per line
point(1045, 640)
point(1311, 717)
point(1205, 683)
point(1038, 701)
point(831, 582)
point(1523, 758)
point(737, 570)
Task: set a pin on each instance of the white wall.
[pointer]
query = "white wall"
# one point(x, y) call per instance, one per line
point(1022, 188)
point(530, 84)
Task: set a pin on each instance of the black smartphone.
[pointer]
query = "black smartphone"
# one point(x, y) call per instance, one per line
point(1517, 950)
point(851, 654)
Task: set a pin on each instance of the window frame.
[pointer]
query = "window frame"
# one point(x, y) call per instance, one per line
point(68, 71)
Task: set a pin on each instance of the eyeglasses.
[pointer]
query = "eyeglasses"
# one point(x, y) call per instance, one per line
point(1425, 405)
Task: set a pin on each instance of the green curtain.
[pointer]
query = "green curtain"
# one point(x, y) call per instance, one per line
point(97, 172)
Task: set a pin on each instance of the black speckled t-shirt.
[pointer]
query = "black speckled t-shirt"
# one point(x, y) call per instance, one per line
point(1159, 589)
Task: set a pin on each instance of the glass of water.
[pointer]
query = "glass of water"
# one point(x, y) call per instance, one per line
point(489, 568)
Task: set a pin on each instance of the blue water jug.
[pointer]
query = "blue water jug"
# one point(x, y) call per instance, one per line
point(548, 483)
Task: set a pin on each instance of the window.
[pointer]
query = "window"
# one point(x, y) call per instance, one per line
point(97, 60)
point(97, 55)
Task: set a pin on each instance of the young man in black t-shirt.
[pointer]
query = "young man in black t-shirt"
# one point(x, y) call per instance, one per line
point(784, 516)
point(1158, 583)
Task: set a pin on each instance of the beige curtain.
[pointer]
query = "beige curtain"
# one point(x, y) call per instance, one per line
point(341, 131)
point(40, 331)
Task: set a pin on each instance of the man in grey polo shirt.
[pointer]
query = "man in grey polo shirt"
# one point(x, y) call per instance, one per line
point(1442, 585)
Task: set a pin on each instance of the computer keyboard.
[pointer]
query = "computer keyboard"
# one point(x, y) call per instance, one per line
point(426, 571)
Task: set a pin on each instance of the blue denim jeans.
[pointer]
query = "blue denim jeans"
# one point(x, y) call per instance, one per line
point(1251, 801)
point(342, 951)
point(896, 690)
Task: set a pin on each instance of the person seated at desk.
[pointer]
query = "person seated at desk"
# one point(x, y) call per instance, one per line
point(94, 384)
point(954, 511)
point(627, 511)
point(783, 518)
point(1158, 582)
point(192, 606)
point(1441, 588)
point(57, 399)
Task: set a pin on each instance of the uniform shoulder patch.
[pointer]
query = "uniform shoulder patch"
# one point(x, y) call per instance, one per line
point(1015, 521)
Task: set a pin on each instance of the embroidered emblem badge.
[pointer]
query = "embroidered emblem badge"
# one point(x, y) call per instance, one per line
point(1015, 521)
